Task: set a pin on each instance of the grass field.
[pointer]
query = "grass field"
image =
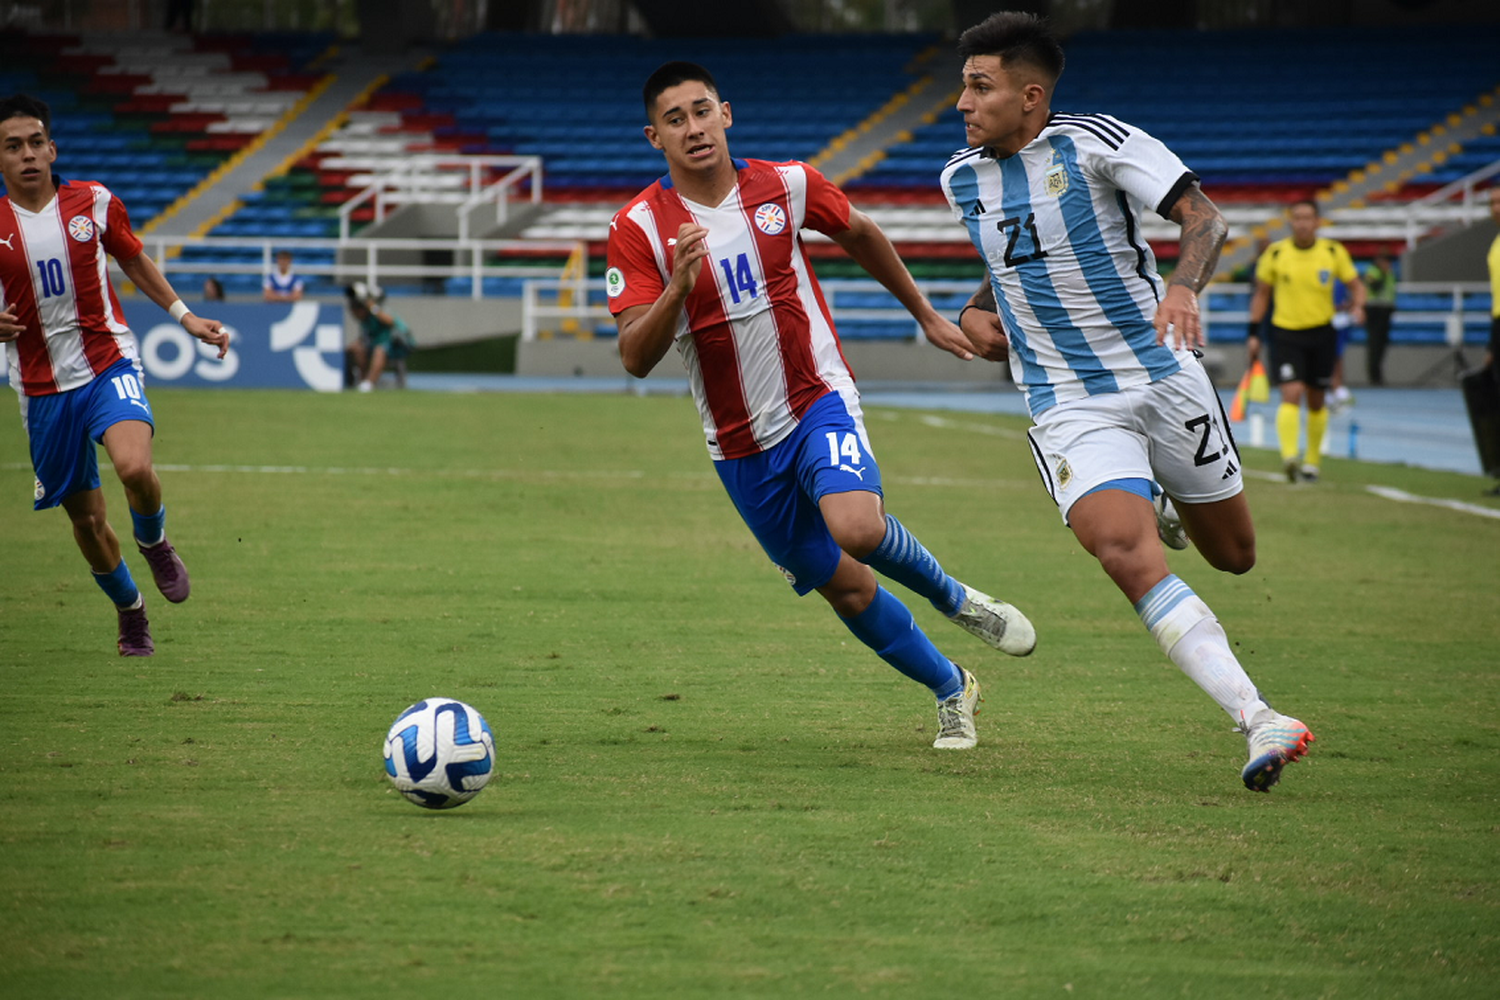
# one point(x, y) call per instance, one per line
point(705, 787)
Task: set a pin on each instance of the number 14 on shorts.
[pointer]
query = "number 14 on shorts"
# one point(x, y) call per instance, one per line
point(844, 452)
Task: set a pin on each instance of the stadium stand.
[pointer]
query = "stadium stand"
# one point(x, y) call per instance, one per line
point(153, 115)
point(1272, 115)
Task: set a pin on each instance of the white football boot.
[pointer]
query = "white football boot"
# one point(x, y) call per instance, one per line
point(956, 717)
point(1000, 625)
point(1275, 741)
point(1168, 524)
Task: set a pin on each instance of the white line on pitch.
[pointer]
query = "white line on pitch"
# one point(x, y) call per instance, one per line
point(1401, 496)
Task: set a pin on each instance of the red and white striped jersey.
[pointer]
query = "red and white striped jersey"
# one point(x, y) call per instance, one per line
point(54, 275)
point(755, 334)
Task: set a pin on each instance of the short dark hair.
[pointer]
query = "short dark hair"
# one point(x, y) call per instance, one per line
point(26, 106)
point(1016, 37)
point(1310, 203)
point(669, 75)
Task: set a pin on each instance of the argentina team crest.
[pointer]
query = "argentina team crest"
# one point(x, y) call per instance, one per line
point(770, 218)
point(1057, 179)
point(81, 228)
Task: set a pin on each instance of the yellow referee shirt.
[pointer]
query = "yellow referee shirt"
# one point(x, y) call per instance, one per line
point(1302, 281)
point(1494, 261)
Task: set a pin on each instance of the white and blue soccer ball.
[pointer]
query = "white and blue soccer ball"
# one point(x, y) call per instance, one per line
point(439, 753)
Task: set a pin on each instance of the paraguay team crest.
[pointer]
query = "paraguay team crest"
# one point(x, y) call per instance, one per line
point(770, 218)
point(81, 228)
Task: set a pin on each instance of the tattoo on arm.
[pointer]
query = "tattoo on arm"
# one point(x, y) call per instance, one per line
point(984, 299)
point(1203, 234)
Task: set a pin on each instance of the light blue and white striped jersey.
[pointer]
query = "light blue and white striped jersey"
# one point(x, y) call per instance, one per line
point(1075, 282)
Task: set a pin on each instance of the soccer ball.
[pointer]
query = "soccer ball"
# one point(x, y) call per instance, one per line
point(439, 753)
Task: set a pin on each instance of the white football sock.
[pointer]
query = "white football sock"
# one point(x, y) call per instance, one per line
point(1192, 638)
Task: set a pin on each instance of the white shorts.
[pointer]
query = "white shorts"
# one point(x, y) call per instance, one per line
point(1174, 431)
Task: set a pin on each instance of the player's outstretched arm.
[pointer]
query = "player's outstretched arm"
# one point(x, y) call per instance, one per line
point(142, 270)
point(1203, 234)
point(872, 250)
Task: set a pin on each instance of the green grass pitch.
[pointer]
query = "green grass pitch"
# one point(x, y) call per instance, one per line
point(705, 787)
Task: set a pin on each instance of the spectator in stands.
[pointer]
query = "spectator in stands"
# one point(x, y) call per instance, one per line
point(181, 11)
point(213, 289)
point(384, 338)
point(710, 260)
point(1301, 272)
point(283, 284)
point(75, 364)
point(1380, 306)
point(1105, 350)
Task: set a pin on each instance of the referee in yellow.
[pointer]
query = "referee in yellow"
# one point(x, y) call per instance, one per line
point(1300, 274)
point(1492, 261)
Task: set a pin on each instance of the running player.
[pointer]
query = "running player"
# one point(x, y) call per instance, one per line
point(1301, 274)
point(709, 258)
point(74, 362)
point(1103, 351)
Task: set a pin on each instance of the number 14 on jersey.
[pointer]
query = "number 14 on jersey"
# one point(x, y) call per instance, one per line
point(739, 277)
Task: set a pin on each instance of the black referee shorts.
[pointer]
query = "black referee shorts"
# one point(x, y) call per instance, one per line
point(1306, 356)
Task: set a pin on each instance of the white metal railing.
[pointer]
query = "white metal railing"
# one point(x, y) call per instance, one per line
point(542, 308)
point(431, 179)
point(1427, 211)
point(561, 304)
point(359, 259)
point(1468, 303)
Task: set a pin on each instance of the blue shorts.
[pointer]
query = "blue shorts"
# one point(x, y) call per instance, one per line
point(777, 491)
point(64, 428)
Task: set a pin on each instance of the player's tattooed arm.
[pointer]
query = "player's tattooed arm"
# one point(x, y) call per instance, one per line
point(984, 298)
point(980, 322)
point(1203, 233)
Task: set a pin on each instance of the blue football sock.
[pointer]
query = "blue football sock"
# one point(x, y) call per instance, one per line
point(902, 558)
point(887, 627)
point(119, 585)
point(150, 528)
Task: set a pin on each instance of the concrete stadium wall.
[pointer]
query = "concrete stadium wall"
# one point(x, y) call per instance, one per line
point(442, 320)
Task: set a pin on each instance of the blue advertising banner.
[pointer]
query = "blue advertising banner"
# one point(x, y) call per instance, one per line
point(297, 345)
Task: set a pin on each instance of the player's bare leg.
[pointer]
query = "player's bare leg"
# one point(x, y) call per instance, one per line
point(1119, 529)
point(861, 527)
point(358, 359)
point(101, 547)
point(91, 530)
point(377, 367)
point(855, 519)
point(129, 446)
point(1223, 532)
point(878, 619)
point(851, 588)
